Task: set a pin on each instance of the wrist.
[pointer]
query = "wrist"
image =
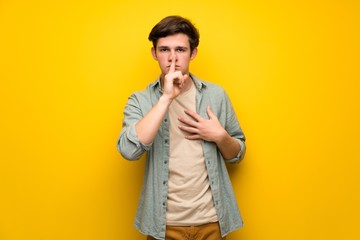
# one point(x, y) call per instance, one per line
point(165, 100)
point(222, 137)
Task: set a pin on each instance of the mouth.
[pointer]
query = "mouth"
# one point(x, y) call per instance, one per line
point(176, 67)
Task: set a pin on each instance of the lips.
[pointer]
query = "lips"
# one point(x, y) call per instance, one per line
point(176, 67)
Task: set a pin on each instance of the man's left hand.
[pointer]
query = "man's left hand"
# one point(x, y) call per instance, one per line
point(200, 128)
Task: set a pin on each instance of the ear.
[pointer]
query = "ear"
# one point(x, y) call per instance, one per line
point(153, 52)
point(194, 53)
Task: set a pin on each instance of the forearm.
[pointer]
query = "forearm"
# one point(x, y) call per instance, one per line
point(149, 125)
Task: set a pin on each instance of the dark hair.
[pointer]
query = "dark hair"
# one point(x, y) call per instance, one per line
point(172, 25)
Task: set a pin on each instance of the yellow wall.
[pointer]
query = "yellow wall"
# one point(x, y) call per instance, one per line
point(291, 69)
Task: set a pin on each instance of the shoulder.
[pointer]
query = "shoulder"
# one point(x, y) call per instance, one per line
point(208, 87)
point(147, 93)
point(213, 87)
point(143, 100)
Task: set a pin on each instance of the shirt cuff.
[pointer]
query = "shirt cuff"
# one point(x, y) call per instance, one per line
point(240, 155)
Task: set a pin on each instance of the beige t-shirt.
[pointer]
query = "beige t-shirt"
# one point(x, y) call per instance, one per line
point(189, 195)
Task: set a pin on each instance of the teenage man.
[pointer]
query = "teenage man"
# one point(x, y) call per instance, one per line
point(189, 130)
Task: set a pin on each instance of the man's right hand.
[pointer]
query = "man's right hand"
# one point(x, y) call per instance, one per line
point(174, 81)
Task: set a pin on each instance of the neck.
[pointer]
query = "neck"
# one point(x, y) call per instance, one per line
point(187, 85)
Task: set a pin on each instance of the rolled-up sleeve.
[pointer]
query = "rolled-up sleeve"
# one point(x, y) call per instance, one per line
point(128, 143)
point(240, 154)
point(232, 126)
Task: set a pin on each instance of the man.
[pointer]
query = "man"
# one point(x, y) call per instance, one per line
point(189, 130)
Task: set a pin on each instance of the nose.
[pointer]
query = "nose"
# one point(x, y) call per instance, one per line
point(172, 56)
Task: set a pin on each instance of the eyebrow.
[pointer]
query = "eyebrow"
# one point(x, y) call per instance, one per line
point(177, 47)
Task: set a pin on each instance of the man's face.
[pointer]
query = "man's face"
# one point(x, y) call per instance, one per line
point(174, 46)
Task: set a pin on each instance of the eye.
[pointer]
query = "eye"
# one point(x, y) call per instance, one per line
point(164, 50)
point(180, 50)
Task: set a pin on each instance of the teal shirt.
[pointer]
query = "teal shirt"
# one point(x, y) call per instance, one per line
point(151, 212)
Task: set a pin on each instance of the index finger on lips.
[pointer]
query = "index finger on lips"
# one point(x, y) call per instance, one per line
point(172, 66)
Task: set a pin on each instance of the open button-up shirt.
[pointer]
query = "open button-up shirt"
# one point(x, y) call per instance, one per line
point(151, 212)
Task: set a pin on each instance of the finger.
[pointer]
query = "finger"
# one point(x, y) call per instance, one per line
point(193, 137)
point(188, 122)
point(189, 130)
point(210, 112)
point(183, 80)
point(172, 66)
point(192, 114)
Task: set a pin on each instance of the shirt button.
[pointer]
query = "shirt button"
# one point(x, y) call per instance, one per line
point(164, 182)
point(163, 203)
point(165, 162)
point(165, 120)
point(166, 140)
